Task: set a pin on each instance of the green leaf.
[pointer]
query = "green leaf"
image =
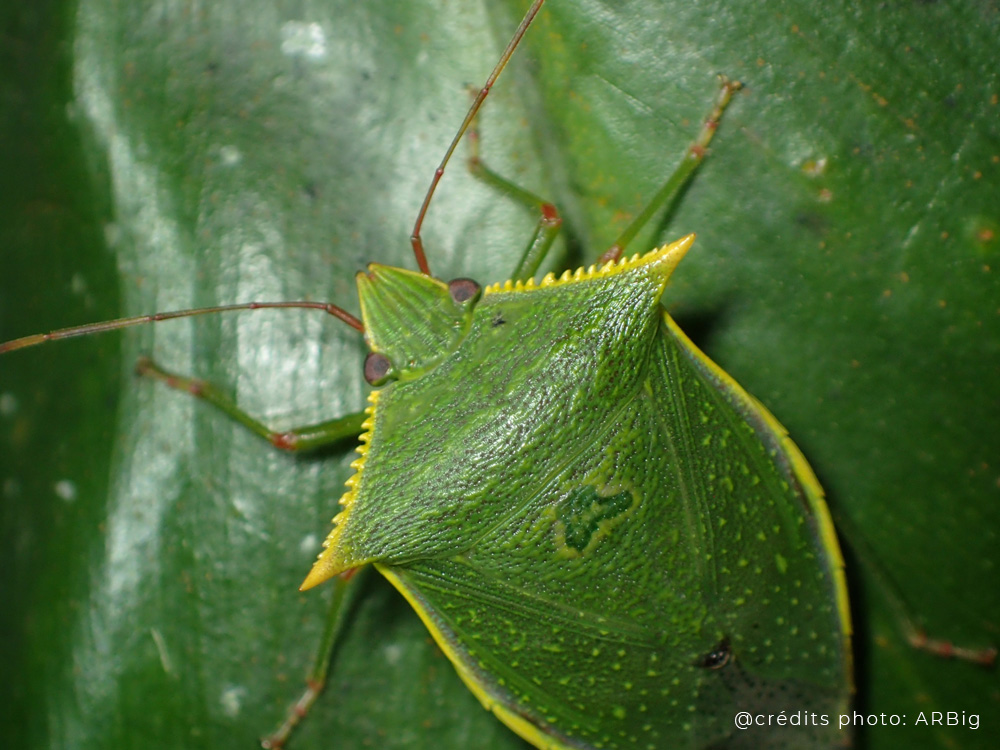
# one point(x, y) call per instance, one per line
point(171, 155)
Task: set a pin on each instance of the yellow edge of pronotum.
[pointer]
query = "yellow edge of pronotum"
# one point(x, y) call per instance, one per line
point(810, 484)
point(326, 567)
point(611, 268)
point(333, 560)
point(521, 726)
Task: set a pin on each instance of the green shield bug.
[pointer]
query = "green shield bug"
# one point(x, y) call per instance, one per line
point(716, 660)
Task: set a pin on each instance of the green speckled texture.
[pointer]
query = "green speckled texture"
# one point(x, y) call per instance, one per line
point(591, 515)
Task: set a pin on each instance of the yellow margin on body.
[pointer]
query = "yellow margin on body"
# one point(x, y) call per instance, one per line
point(613, 267)
point(329, 562)
point(810, 484)
point(521, 726)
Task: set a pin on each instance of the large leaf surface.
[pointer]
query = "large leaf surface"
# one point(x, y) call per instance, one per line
point(174, 154)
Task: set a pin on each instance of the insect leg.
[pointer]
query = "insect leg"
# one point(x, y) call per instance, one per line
point(671, 190)
point(906, 622)
point(549, 221)
point(345, 590)
point(916, 637)
point(295, 439)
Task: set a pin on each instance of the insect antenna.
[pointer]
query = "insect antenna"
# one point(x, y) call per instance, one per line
point(415, 240)
point(337, 312)
point(114, 325)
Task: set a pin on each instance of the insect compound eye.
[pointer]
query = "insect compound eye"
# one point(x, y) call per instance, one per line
point(717, 658)
point(378, 368)
point(464, 290)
